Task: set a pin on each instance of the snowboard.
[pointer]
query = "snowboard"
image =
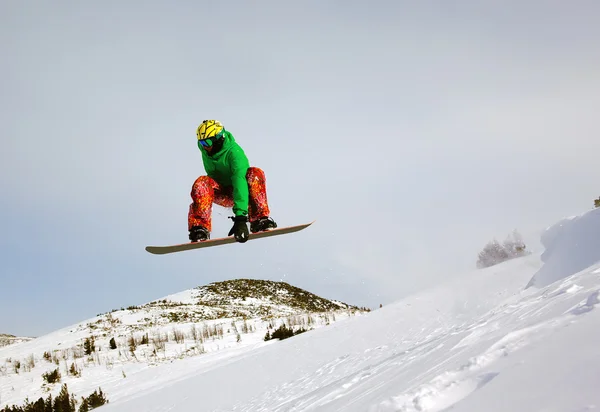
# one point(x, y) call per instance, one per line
point(162, 250)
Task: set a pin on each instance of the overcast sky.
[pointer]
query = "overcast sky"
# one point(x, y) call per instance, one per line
point(413, 132)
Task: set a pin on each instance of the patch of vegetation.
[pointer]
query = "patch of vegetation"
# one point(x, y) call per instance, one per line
point(494, 253)
point(176, 316)
point(178, 336)
point(283, 332)
point(74, 370)
point(93, 401)
point(279, 293)
point(52, 377)
point(29, 363)
point(89, 345)
point(165, 303)
point(132, 344)
point(6, 339)
point(64, 402)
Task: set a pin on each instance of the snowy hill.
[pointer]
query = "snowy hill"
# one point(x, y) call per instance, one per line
point(227, 317)
point(504, 338)
point(6, 339)
point(252, 298)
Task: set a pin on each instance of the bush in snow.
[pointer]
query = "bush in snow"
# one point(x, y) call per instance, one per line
point(89, 345)
point(93, 401)
point(597, 202)
point(74, 371)
point(494, 252)
point(16, 366)
point(283, 332)
point(132, 344)
point(52, 377)
point(64, 402)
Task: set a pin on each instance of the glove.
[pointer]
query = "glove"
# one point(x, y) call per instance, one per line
point(240, 228)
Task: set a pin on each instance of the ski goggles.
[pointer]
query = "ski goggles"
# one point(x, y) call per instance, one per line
point(206, 142)
point(211, 140)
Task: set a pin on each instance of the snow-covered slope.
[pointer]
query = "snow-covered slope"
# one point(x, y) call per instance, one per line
point(6, 339)
point(482, 341)
point(215, 321)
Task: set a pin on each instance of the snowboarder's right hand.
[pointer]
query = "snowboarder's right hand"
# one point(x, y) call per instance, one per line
point(240, 228)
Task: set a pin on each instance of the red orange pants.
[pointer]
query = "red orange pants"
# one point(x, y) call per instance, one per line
point(206, 191)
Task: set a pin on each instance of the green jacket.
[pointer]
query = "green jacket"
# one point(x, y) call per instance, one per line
point(228, 167)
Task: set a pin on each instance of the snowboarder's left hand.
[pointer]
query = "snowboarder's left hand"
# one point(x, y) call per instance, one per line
point(240, 228)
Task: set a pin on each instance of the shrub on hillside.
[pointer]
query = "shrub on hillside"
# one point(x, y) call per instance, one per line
point(494, 253)
point(132, 344)
point(93, 401)
point(52, 377)
point(283, 332)
point(64, 402)
point(74, 371)
point(597, 202)
point(89, 345)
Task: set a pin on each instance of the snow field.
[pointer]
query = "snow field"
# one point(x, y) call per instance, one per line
point(519, 336)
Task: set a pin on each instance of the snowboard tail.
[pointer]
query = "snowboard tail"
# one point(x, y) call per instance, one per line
point(162, 250)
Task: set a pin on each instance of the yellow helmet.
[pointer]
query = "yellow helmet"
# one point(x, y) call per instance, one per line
point(209, 129)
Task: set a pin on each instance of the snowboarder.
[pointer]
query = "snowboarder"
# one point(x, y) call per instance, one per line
point(229, 182)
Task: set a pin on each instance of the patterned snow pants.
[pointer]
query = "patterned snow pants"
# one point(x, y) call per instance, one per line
point(206, 191)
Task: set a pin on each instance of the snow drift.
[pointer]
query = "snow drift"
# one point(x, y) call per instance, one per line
point(571, 245)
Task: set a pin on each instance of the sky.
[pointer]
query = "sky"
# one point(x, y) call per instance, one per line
point(412, 133)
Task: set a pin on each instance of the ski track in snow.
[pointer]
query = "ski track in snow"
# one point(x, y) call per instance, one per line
point(498, 334)
point(448, 354)
point(449, 388)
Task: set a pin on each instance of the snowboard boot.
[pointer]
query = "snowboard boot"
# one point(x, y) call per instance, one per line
point(199, 233)
point(263, 224)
